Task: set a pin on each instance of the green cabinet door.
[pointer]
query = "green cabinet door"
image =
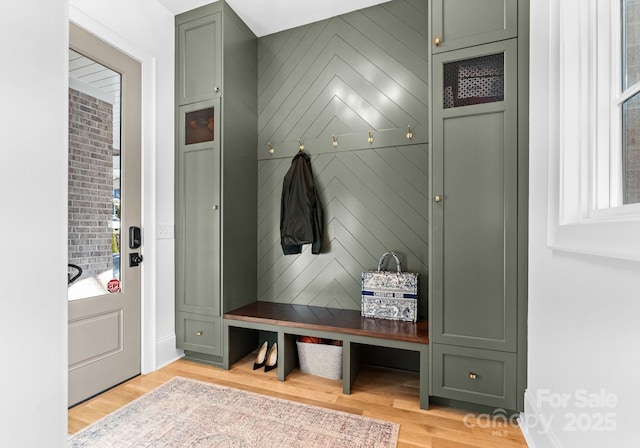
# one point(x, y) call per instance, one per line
point(197, 209)
point(199, 62)
point(474, 209)
point(465, 23)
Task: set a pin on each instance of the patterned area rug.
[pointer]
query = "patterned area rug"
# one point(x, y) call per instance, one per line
point(190, 413)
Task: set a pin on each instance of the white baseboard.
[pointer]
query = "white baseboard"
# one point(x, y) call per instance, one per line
point(531, 422)
point(166, 351)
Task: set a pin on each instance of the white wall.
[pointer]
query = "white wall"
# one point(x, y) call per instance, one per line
point(33, 223)
point(584, 312)
point(145, 30)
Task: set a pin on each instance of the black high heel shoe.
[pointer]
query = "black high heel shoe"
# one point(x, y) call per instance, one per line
point(272, 358)
point(261, 357)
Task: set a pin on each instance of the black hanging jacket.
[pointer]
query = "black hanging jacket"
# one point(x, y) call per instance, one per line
point(301, 214)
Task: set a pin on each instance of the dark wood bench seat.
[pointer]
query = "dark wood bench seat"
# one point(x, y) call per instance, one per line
point(333, 320)
point(288, 322)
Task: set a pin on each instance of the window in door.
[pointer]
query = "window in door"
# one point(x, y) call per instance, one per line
point(94, 178)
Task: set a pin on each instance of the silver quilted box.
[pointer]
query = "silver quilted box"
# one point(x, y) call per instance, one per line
point(390, 294)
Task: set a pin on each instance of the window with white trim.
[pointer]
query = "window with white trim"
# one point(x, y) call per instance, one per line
point(594, 126)
point(614, 54)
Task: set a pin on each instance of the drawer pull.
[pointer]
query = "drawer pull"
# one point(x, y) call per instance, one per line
point(437, 41)
point(199, 333)
point(472, 376)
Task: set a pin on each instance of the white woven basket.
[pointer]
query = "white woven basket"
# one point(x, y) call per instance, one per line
point(320, 359)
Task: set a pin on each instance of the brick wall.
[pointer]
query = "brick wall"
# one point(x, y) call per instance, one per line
point(631, 151)
point(90, 183)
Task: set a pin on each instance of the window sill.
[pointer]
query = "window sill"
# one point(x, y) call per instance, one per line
point(614, 238)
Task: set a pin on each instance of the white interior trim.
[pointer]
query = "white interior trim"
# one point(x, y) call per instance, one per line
point(535, 426)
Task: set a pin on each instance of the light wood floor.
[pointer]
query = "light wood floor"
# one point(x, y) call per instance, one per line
point(378, 393)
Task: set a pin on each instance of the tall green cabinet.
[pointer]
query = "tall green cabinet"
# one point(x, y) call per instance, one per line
point(478, 244)
point(215, 175)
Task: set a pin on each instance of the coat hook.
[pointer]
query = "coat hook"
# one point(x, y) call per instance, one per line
point(370, 139)
point(271, 150)
point(409, 133)
point(300, 145)
point(335, 141)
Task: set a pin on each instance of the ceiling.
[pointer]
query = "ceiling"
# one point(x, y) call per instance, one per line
point(271, 16)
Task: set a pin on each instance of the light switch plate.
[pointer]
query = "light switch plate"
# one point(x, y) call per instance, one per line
point(164, 231)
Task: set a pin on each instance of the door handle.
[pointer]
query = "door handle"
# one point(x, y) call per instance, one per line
point(135, 259)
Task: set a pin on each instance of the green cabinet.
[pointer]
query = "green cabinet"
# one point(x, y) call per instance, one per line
point(465, 23)
point(199, 59)
point(215, 175)
point(478, 185)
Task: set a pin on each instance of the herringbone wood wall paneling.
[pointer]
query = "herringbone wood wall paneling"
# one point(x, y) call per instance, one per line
point(360, 72)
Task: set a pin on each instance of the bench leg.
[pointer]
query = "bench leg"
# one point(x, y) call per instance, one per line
point(350, 365)
point(424, 378)
point(225, 345)
point(286, 354)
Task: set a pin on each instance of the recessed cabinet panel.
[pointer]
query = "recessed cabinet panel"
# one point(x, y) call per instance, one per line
point(202, 228)
point(464, 23)
point(475, 278)
point(199, 59)
point(475, 163)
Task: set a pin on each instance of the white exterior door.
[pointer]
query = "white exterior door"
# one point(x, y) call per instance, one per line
point(104, 207)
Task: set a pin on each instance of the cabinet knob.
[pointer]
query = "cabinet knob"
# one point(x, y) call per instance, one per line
point(472, 376)
point(437, 198)
point(216, 207)
point(216, 89)
point(437, 41)
point(199, 333)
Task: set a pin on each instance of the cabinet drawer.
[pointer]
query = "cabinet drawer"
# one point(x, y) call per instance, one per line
point(474, 375)
point(202, 334)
